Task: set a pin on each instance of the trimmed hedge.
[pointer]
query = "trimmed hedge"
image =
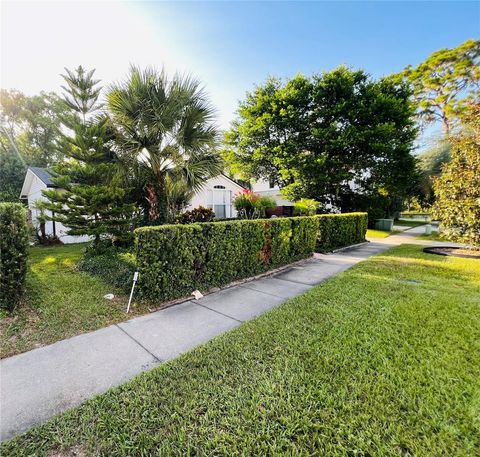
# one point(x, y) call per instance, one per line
point(13, 254)
point(174, 260)
point(340, 230)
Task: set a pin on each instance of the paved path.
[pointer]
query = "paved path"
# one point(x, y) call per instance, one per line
point(44, 382)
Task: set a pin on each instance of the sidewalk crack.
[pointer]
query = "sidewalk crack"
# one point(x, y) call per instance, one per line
point(218, 312)
point(140, 344)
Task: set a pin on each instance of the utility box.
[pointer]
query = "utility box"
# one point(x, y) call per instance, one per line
point(384, 224)
point(428, 229)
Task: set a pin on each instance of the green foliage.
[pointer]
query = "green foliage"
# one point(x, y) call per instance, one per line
point(339, 137)
point(12, 172)
point(446, 82)
point(13, 254)
point(251, 205)
point(457, 190)
point(60, 301)
point(339, 230)
point(430, 165)
point(306, 207)
point(31, 123)
point(114, 266)
point(90, 201)
point(166, 139)
point(199, 214)
point(174, 260)
point(365, 364)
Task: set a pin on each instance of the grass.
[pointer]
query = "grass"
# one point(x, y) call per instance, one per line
point(434, 236)
point(60, 302)
point(371, 233)
point(383, 359)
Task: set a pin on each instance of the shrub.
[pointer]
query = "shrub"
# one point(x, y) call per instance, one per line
point(251, 205)
point(174, 260)
point(340, 230)
point(264, 203)
point(306, 207)
point(200, 214)
point(112, 265)
point(457, 189)
point(14, 236)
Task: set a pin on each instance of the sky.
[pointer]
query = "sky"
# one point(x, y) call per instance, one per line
point(229, 46)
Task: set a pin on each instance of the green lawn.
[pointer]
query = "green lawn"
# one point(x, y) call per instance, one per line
point(60, 302)
point(371, 233)
point(382, 360)
point(434, 236)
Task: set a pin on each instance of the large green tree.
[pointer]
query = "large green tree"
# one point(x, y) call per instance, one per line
point(91, 201)
point(165, 136)
point(32, 123)
point(445, 83)
point(430, 164)
point(340, 138)
point(29, 135)
point(457, 189)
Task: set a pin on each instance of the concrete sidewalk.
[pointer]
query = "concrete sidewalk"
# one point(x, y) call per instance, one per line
point(44, 382)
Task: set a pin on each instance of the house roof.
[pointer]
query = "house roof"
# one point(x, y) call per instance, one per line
point(232, 180)
point(44, 175)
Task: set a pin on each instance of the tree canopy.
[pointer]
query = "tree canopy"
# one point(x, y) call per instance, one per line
point(29, 135)
point(457, 189)
point(445, 83)
point(166, 137)
point(339, 137)
point(91, 200)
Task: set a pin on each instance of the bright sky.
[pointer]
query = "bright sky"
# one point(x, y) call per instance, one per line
point(228, 46)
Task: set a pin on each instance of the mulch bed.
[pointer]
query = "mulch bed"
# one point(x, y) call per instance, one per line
point(453, 251)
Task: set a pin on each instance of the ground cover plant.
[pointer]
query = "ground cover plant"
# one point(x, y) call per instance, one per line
point(380, 360)
point(59, 302)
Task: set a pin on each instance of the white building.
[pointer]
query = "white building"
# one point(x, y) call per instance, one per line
point(218, 194)
point(36, 180)
point(264, 188)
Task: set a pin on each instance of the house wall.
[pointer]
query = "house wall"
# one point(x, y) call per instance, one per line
point(220, 200)
point(35, 195)
point(262, 187)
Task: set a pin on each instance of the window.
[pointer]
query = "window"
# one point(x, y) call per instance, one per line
point(220, 200)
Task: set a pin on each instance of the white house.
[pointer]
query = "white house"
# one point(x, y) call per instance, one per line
point(218, 194)
point(265, 188)
point(36, 180)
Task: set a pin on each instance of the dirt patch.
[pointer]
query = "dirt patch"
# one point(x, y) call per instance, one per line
point(75, 451)
point(454, 252)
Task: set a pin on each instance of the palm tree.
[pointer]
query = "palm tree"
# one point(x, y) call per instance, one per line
point(165, 133)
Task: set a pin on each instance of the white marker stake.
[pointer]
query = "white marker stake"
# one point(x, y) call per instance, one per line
point(135, 277)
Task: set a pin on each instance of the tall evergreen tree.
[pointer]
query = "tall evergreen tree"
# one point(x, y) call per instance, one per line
point(90, 201)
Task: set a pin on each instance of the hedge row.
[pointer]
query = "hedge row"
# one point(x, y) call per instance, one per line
point(13, 254)
point(174, 260)
point(340, 230)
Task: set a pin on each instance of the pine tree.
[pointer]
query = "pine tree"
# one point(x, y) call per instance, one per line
point(90, 200)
